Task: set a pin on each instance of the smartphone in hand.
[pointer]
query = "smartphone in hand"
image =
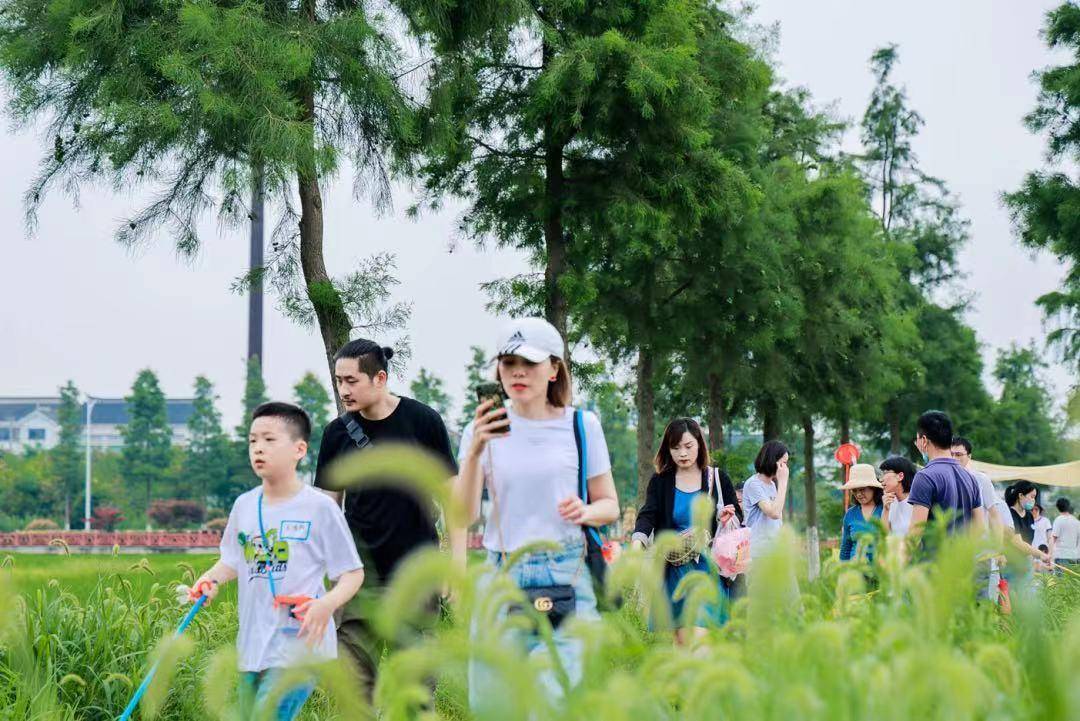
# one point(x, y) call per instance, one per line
point(493, 391)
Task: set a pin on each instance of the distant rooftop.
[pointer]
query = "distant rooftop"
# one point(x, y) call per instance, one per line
point(111, 411)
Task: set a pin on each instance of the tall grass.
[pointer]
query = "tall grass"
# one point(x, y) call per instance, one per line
point(888, 640)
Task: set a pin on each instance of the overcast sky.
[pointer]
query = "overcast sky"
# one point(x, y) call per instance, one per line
point(78, 306)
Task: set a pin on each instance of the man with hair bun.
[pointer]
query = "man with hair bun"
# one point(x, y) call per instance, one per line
point(387, 522)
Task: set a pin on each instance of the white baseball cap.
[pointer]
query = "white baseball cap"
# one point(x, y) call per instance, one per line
point(534, 339)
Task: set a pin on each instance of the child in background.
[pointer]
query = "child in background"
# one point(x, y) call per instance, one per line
point(1039, 564)
point(282, 540)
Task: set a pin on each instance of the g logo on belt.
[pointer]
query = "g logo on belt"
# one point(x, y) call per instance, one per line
point(543, 604)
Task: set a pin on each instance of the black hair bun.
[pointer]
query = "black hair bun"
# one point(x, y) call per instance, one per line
point(388, 353)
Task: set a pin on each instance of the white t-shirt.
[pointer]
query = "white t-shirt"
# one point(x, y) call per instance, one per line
point(762, 528)
point(1042, 532)
point(900, 517)
point(529, 472)
point(987, 494)
point(307, 540)
point(1066, 530)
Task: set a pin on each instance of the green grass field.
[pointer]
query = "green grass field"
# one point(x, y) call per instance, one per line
point(79, 573)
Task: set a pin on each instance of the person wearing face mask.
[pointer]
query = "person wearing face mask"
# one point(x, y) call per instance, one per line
point(942, 486)
point(527, 457)
point(682, 476)
point(1021, 498)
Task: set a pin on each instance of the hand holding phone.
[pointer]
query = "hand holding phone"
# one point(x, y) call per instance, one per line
point(493, 392)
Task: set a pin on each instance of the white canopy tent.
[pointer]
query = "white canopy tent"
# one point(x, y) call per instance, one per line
point(1062, 474)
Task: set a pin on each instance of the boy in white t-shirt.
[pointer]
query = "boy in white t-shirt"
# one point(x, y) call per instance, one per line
point(282, 540)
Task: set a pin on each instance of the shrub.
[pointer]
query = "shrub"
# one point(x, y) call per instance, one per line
point(217, 525)
point(107, 518)
point(42, 524)
point(177, 514)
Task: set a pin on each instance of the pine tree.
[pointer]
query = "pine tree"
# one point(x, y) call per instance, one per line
point(430, 390)
point(311, 395)
point(254, 395)
point(147, 436)
point(205, 466)
point(478, 371)
point(67, 455)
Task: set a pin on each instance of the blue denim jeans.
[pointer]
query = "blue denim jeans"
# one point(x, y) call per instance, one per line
point(549, 568)
point(260, 684)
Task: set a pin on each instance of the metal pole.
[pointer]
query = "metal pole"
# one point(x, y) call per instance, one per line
point(89, 456)
point(255, 291)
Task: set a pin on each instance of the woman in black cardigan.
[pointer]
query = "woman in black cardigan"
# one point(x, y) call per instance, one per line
point(682, 474)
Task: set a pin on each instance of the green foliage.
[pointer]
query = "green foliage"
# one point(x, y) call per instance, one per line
point(430, 390)
point(205, 463)
point(254, 395)
point(67, 455)
point(612, 405)
point(738, 461)
point(478, 371)
point(310, 394)
point(915, 209)
point(147, 451)
point(1044, 208)
point(26, 487)
point(196, 101)
point(1023, 431)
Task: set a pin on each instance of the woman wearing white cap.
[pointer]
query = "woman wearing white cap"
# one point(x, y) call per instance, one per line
point(532, 476)
point(867, 492)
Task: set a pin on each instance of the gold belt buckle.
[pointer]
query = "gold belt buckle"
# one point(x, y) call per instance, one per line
point(543, 604)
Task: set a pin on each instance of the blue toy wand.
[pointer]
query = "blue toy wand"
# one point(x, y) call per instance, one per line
point(153, 669)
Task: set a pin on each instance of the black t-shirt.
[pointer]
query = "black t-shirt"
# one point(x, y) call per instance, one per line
point(387, 523)
point(1024, 525)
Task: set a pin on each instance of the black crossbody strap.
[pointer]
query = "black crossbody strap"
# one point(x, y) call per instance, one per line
point(355, 430)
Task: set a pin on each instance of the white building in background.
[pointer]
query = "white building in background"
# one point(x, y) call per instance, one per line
point(30, 422)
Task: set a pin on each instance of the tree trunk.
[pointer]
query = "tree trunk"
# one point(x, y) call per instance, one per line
point(148, 504)
point(810, 485)
point(715, 411)
point(894, 429)
point(334, 323)
point(845, 437)
point(770, 420)
point(646, 422)
point(67, 509)
point(555, 303)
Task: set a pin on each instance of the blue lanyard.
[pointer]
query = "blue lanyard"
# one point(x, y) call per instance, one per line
point(269, 553)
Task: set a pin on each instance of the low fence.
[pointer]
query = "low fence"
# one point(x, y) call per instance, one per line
point(134, 541)
point(86, 540)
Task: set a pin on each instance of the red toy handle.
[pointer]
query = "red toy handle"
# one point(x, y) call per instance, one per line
point(291, 602)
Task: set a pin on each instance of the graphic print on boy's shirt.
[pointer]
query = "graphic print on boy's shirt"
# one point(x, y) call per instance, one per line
point(306, 541)
point(271, 555)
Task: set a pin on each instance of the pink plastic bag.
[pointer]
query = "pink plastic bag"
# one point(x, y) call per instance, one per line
point(731, 549)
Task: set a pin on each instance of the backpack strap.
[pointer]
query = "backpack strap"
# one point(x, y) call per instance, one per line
point(583, 474)
point(355, 430)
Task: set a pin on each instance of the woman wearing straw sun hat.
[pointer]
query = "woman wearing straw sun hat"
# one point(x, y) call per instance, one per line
point(867, 492)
